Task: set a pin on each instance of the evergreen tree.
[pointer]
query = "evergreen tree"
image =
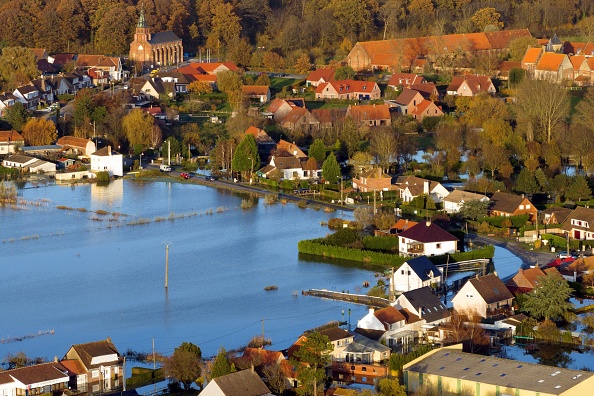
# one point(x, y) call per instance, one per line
point(16, 116)
point(221, 365)
point(317, 150)
point(550, 299)
point(525, 183)
point(331, 169)
point(246, 158)
point(578, 189)
point(315, 353)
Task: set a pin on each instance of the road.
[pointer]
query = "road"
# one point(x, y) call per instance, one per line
point(247, 189)
point(529, 258)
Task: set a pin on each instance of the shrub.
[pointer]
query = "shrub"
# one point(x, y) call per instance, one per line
point(335, 223)
point(102, 177)
point(342, 237)
point(381, 243)
point(315, 247)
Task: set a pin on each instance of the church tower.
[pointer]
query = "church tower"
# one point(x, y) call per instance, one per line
point(143, 33)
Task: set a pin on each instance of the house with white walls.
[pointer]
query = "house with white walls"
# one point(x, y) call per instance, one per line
point(416, 273)
point(107, 160)
point(426, 239)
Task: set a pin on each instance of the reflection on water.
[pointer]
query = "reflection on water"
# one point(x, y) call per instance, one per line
point(89, 275)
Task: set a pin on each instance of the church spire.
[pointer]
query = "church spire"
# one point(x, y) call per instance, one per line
point(141, 21)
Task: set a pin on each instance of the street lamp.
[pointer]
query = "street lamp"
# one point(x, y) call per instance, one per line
point(140, 163)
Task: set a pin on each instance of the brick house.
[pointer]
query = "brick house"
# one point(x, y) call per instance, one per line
point(504, 204)
point(349, 90)
point(373, 180)
point(370, 115)
point(426, 109)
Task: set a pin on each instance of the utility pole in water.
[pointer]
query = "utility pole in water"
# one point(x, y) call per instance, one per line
point(167, 265)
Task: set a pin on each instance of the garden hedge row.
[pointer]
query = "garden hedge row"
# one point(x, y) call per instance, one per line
point(338, 252)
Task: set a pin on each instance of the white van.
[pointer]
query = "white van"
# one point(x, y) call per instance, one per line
point(165, 168)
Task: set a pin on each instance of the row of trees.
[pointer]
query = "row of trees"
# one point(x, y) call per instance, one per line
point(288, 30)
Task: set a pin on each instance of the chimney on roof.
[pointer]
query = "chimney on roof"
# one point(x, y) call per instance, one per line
point(371, 310)
point(522, 196)
point(428, 223)
point(495, 273)
point(56, 360)
point(477, 275)
point(109, 150)
point(426, 187)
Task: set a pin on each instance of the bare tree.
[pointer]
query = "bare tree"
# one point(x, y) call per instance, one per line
point(383, 146)
point(545, 105)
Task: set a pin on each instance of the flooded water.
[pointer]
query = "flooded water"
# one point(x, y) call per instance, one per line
point(88, 276)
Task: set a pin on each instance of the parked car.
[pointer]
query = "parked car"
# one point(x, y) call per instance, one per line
point(211, 178)
point(184, 175)
point(165, 168)
point(563, 254)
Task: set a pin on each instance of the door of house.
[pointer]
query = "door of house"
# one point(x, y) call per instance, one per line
point(576, 234)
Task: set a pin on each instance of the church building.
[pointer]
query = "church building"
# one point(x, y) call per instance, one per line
point(155, 50)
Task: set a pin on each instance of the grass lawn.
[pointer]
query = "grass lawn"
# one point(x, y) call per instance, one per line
point(277, 83)
point(425, 141)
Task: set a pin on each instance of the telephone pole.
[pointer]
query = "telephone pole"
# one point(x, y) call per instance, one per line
point(167, 244)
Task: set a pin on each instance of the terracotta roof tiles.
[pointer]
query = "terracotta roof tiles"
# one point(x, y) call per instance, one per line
point(550, 61)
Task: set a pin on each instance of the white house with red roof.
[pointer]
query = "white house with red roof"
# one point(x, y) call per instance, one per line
point(259, 92)
point(470, 86)
point(349, 90)
point(404, 80)
point(392, 326)
point(319, 76)
point(10, 141)
point(426, 239)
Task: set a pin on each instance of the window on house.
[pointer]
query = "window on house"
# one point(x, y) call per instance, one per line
point(527, 206)
point(521, 207)
point(438, 245)
point(95, 374)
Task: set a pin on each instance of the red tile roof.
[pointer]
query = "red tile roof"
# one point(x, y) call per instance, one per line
point(577, 61)
point(550, 61)
point(389, 315)
point(348, 86)
point(255, 90)
point(326, 74)
point(369, 112)
point(10, 136)
point(531, 55)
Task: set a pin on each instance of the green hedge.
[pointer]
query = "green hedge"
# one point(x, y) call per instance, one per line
point(318, 248)
point(560, 242)
point(381, 243)
point(484, 252)
point(338, 252)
